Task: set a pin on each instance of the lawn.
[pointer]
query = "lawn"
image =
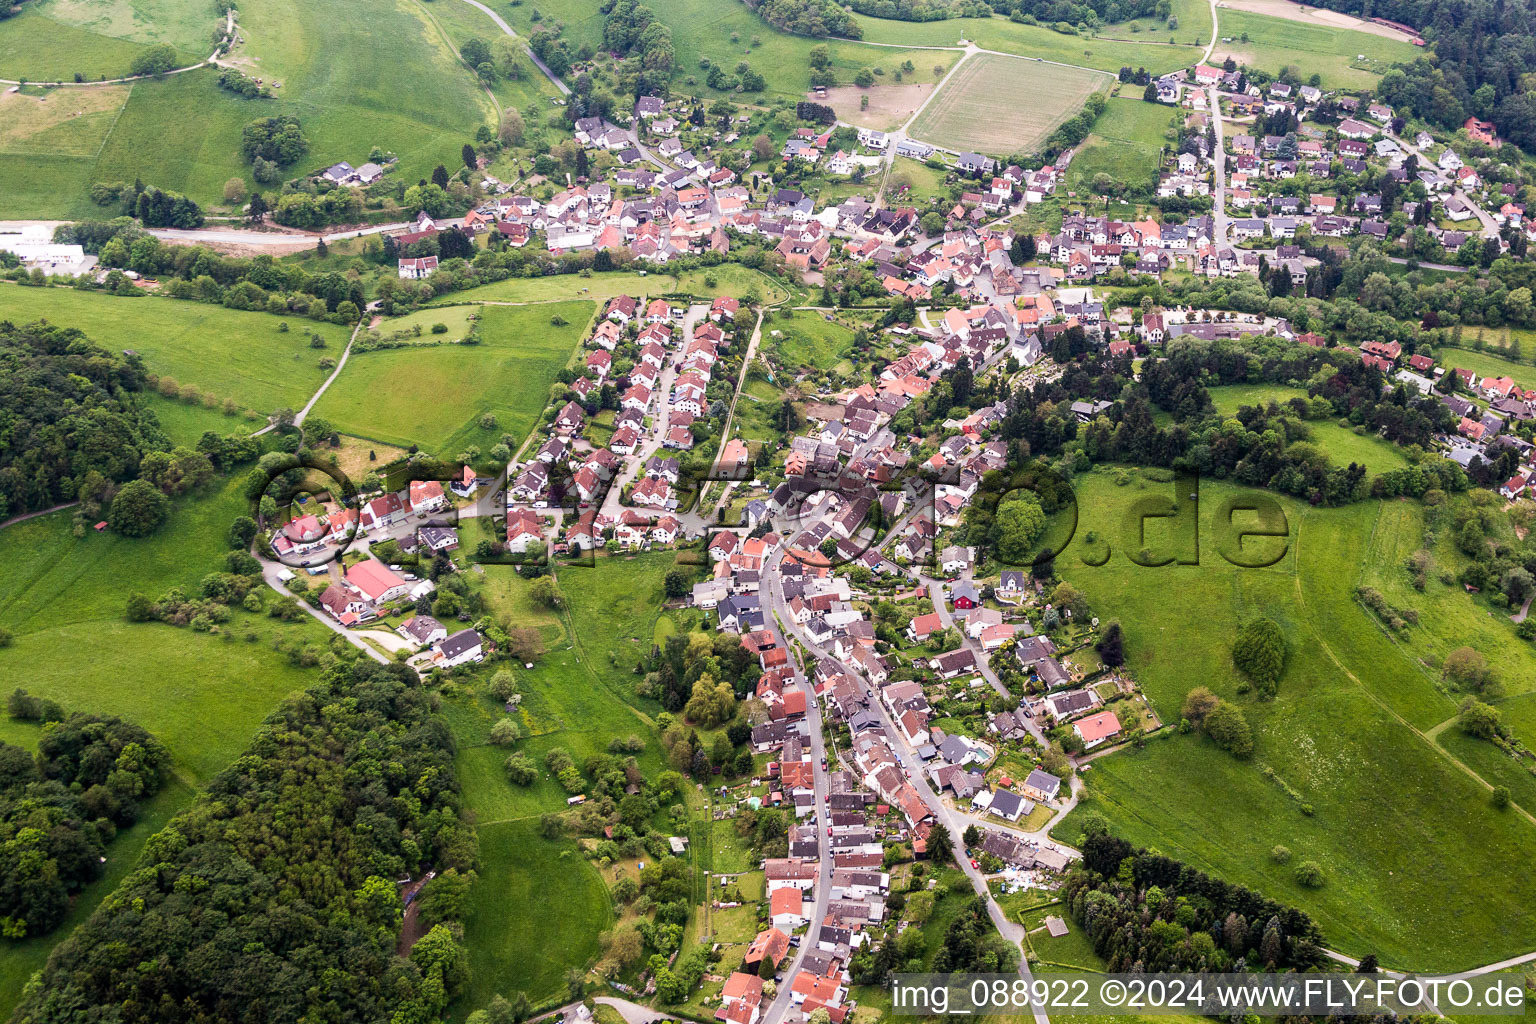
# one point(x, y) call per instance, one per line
point(1330, 52)
point(1126, 143)
point(438, 394)
point(1420, 869)
point(1040, 43)
point(226, 353)
point(1485, 364)
point(1070, 950)
point(920, 180)
point(965, 114)
point(536, 910)
point(807, 341)
point(730, 279)
point(203, 695)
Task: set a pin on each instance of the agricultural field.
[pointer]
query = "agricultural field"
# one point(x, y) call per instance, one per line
point(964, 115)
point(438, 394)
point(225, 353)
point(1039, 43)
point(728, 278)
point(1342, 773)
point(703, 28)
point(399, 85)
point(1333, 53)
point(1126, 143)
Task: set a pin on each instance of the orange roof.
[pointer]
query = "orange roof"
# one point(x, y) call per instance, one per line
point(771, 943)
point(740, 985)
point(1098, 727)
point(787, 900)
point(812, 987)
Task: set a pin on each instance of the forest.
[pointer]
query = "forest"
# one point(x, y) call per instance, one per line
point(60, 809)
point(275, 896)
point(69, 417)
point(810, 18)
point(1145, 912)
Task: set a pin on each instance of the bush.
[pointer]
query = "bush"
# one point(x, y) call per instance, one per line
point(1280, 854)
point(1499, 797)
point(1310, 874)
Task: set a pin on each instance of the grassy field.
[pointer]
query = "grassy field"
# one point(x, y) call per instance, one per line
point(203, 695)
point(398, 84)
point(1342, 444)
point(1070, 950)
point(1486, 364)
point(703, 28)
point(1034, 41)
point(224, 352)
point(536, 909)
point(964, 115)
point(184, 423)
point(439, 394)
point(1407, 839)
point(806, 341)
point(53, 40)
point(1126, 143)
point(1330, 52)
point(730, 279)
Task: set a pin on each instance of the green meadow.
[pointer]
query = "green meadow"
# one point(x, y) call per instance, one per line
point(53, 40)
point(1126, 143)
point(1343, 772)
point(437, 394)
point(728, 278)
point(1328, 51)
point(356, 74)
point(806, 342)
point(1040, 43)
point(226, 353)
point(1342, 444)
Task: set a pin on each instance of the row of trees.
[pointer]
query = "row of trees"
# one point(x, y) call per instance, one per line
point(1144, 912)
point(273, 897)
point(60, 809)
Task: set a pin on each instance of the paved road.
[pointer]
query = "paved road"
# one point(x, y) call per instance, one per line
point(774, 603)
point(502, 24)
point(781, 1002)
point(1219, 158)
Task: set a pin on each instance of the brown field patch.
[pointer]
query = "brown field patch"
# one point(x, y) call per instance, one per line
point(1001, 105)
point(889, 105)
point(68, 122)
point(353, 456)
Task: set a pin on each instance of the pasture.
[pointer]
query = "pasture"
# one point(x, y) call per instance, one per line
point(437, 394)
point(227, 353)
point(49, 140)
point(202, 694)
point(536, 909)
point(1331, 52)
point(703, 28)
point(1486, 364)
point(726, 279)
point(1126, 143)
point(1406, 836)
point(397, 84)
point(965, 114)
point(54, 40)
point(1040, 43)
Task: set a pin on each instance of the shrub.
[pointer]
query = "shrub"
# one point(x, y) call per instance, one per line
point(1310, 874)
point(1280, 854)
